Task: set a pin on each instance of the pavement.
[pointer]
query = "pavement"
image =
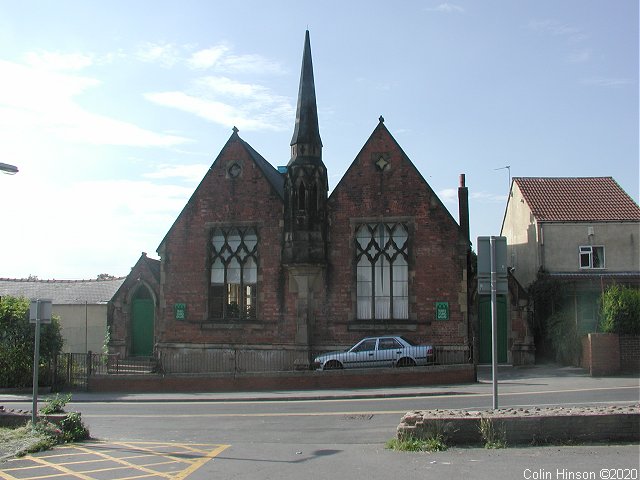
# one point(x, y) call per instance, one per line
point(542, 377)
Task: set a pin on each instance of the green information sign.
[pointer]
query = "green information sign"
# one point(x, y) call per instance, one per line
point(180, 310)
point(442, 310)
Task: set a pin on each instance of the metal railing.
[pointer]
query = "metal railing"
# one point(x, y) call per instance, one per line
point(72, 370)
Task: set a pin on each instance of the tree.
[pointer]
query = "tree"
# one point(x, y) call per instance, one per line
point(17, 340)
point(620, 310)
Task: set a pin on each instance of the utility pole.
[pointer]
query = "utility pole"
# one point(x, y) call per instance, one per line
point(39, 312)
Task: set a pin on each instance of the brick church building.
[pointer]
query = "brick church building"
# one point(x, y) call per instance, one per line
point(265, 262)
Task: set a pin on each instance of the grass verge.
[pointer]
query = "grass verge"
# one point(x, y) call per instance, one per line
point(431, 444)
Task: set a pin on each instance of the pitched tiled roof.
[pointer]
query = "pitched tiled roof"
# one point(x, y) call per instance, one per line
point(577, 199)
point(62, 292)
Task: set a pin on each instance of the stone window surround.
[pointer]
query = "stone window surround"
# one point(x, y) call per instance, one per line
point(357, 325)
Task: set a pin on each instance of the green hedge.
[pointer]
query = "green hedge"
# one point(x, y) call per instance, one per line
point(17, 340)
point(620, 310)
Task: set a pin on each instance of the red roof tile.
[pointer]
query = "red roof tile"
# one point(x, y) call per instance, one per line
point(577, 199)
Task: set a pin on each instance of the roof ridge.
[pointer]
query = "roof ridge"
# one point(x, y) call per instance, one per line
point(54, 280)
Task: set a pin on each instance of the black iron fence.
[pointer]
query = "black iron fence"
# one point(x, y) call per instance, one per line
point(71, 371)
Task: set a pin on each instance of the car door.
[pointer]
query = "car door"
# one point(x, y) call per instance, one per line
point(389, 350)
point(363, 354)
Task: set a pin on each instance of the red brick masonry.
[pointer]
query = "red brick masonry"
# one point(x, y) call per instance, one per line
point(526, 426)
point(305, 380)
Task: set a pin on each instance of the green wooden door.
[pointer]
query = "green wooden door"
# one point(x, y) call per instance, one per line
point(142, 327)
point(484, 342)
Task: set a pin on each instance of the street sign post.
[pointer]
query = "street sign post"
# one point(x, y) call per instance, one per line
point(39, 312)
point(492, 270)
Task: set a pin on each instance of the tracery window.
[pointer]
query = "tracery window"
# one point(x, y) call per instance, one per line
point(382, 271)
point(234, 273)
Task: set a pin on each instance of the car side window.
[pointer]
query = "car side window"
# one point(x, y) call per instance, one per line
point(366, 346)
point(388, 344)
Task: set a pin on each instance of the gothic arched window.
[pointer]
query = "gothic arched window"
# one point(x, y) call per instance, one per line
point(382, 271)
point(301, 197)
point(234, 273)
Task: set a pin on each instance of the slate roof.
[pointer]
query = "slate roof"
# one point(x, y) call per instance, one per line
point(577, 199)
point(275, 178)
point(62, 292)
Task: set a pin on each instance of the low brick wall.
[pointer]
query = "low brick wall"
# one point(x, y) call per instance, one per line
point(526, 426)
point(304, 380)
point(10, 418)
point(630, 353)
point(601, 354)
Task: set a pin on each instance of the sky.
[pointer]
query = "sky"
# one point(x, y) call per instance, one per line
point(113, 111)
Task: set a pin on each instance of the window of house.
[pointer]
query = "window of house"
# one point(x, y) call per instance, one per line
point(234, 273)
point(382, 271)
point(592, 257)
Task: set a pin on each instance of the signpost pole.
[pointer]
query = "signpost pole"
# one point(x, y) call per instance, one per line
point(39, 312)
point(494, 322)
point(36, 363)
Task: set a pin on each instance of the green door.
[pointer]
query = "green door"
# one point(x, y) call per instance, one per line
point(484, 342)
point(142, 327)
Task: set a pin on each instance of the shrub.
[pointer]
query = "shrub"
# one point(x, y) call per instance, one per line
point(620, 310)
point(56, 404)
point(73, 429)
point(563, 334)
point(494, 433)
point(17, 339)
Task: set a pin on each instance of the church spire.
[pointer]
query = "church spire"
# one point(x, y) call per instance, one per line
point(306, 135)
point(305, 182)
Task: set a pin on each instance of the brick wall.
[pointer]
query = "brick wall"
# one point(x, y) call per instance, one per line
point(630, 353)
point(221, 199)
point(357, 378)
point(539, 425)
point(437, 256)
point(437, 248)
point(601, 353)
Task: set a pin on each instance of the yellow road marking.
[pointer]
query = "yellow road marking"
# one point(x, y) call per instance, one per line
point(212, 454)
point(169, 453)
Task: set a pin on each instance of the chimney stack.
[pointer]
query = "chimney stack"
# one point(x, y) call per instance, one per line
point(463, 207)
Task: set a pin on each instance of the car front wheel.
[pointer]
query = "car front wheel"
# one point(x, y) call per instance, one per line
point(332, 365)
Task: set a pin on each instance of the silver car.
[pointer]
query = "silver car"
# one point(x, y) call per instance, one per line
point(388, 351)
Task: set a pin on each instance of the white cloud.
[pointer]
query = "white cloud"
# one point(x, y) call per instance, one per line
point(89, 227)
point(607, 82)
point(166, 54)
point(208, 57)
point(447, 8)
point(253, 64)
point(448, 195)
point(44, 100)
point(580, 56)
point(230, 103)
point(57, 61)
point(556, 28)
point(191, 173)
point(487, 197)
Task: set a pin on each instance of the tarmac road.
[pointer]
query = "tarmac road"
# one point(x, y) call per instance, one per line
point(341, 433)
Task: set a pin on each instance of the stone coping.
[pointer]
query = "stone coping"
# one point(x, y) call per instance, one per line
point(526, 425)
point(18, 418)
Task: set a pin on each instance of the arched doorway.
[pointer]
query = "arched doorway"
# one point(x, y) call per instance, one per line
point(142, 320)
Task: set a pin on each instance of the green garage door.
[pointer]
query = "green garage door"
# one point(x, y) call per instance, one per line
point(484, 342)
point(142, 327)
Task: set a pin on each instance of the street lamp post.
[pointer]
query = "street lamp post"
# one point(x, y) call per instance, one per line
point(9, 169)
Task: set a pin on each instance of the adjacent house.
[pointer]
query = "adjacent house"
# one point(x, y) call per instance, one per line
point(584, 232)
point(262, 260)
point(80, 304)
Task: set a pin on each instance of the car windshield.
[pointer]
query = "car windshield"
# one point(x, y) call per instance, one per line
point(410, 342)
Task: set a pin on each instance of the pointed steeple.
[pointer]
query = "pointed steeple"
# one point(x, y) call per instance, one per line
point(306, 135)
point(305, 182)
